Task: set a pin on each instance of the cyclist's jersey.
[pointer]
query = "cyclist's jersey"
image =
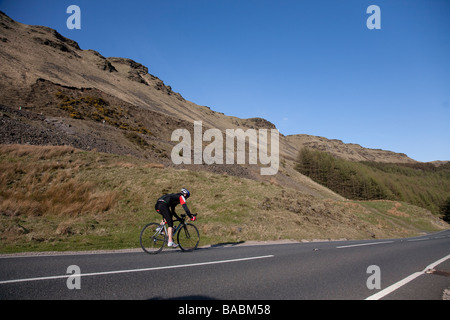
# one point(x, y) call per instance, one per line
point(174, 199)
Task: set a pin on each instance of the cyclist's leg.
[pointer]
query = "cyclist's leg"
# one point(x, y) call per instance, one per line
point(165, 212)
point(163, 221)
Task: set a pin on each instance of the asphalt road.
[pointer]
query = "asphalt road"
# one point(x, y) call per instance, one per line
point(314, 270)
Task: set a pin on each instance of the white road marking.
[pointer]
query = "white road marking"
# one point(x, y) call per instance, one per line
point(135, 270)
point(363, 244)
point(404, 281)
point(421, 239)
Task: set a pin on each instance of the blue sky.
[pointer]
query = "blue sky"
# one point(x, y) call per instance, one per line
point(308, 66)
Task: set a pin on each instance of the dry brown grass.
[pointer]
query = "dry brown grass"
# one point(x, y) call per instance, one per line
point(46, 183)
point(43, 152)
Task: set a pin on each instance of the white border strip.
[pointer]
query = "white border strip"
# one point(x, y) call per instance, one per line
point(134, 270)
point(421, 239)
point(404, 281)
point(363, 244)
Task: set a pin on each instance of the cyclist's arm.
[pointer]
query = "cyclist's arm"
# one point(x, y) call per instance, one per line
point(174, 213)
point(185, 207)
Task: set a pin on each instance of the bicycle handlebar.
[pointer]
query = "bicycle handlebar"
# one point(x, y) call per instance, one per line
point(184, 215)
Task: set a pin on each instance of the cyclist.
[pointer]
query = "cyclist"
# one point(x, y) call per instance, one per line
point(165, 206)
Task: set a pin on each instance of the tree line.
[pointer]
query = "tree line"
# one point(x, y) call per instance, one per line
point(421, 184)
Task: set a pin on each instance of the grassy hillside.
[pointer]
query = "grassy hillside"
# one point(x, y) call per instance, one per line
point(61, 198)
point(422, 184)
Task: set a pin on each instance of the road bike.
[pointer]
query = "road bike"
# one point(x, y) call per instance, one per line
point(154, 236)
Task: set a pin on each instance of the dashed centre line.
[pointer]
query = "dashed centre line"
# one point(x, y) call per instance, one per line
point(363, 244)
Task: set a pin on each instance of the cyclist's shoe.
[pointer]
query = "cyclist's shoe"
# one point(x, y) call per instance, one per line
point(172, 245)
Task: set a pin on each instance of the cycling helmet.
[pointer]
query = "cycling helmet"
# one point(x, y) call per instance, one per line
point(185, 192)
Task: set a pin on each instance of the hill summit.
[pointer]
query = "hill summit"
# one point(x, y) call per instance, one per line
point(47, 81)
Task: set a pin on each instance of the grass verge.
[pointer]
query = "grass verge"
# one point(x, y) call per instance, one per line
point(60, 198)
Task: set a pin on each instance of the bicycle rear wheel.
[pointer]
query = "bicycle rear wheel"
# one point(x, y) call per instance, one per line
point(152, 241)
point(188, 237)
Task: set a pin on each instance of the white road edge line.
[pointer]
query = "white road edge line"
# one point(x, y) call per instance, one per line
point(363, 244)
point(404, 281)
point(421, 239)
point(135, 270)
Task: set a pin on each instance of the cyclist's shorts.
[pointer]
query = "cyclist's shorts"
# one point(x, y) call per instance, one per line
point(163, 209)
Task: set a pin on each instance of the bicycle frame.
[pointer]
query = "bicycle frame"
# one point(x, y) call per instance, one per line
point(182, 222)
point(175, 229)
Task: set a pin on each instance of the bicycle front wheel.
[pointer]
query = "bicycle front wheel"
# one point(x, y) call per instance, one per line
point(188, 237)
point(152, 241)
